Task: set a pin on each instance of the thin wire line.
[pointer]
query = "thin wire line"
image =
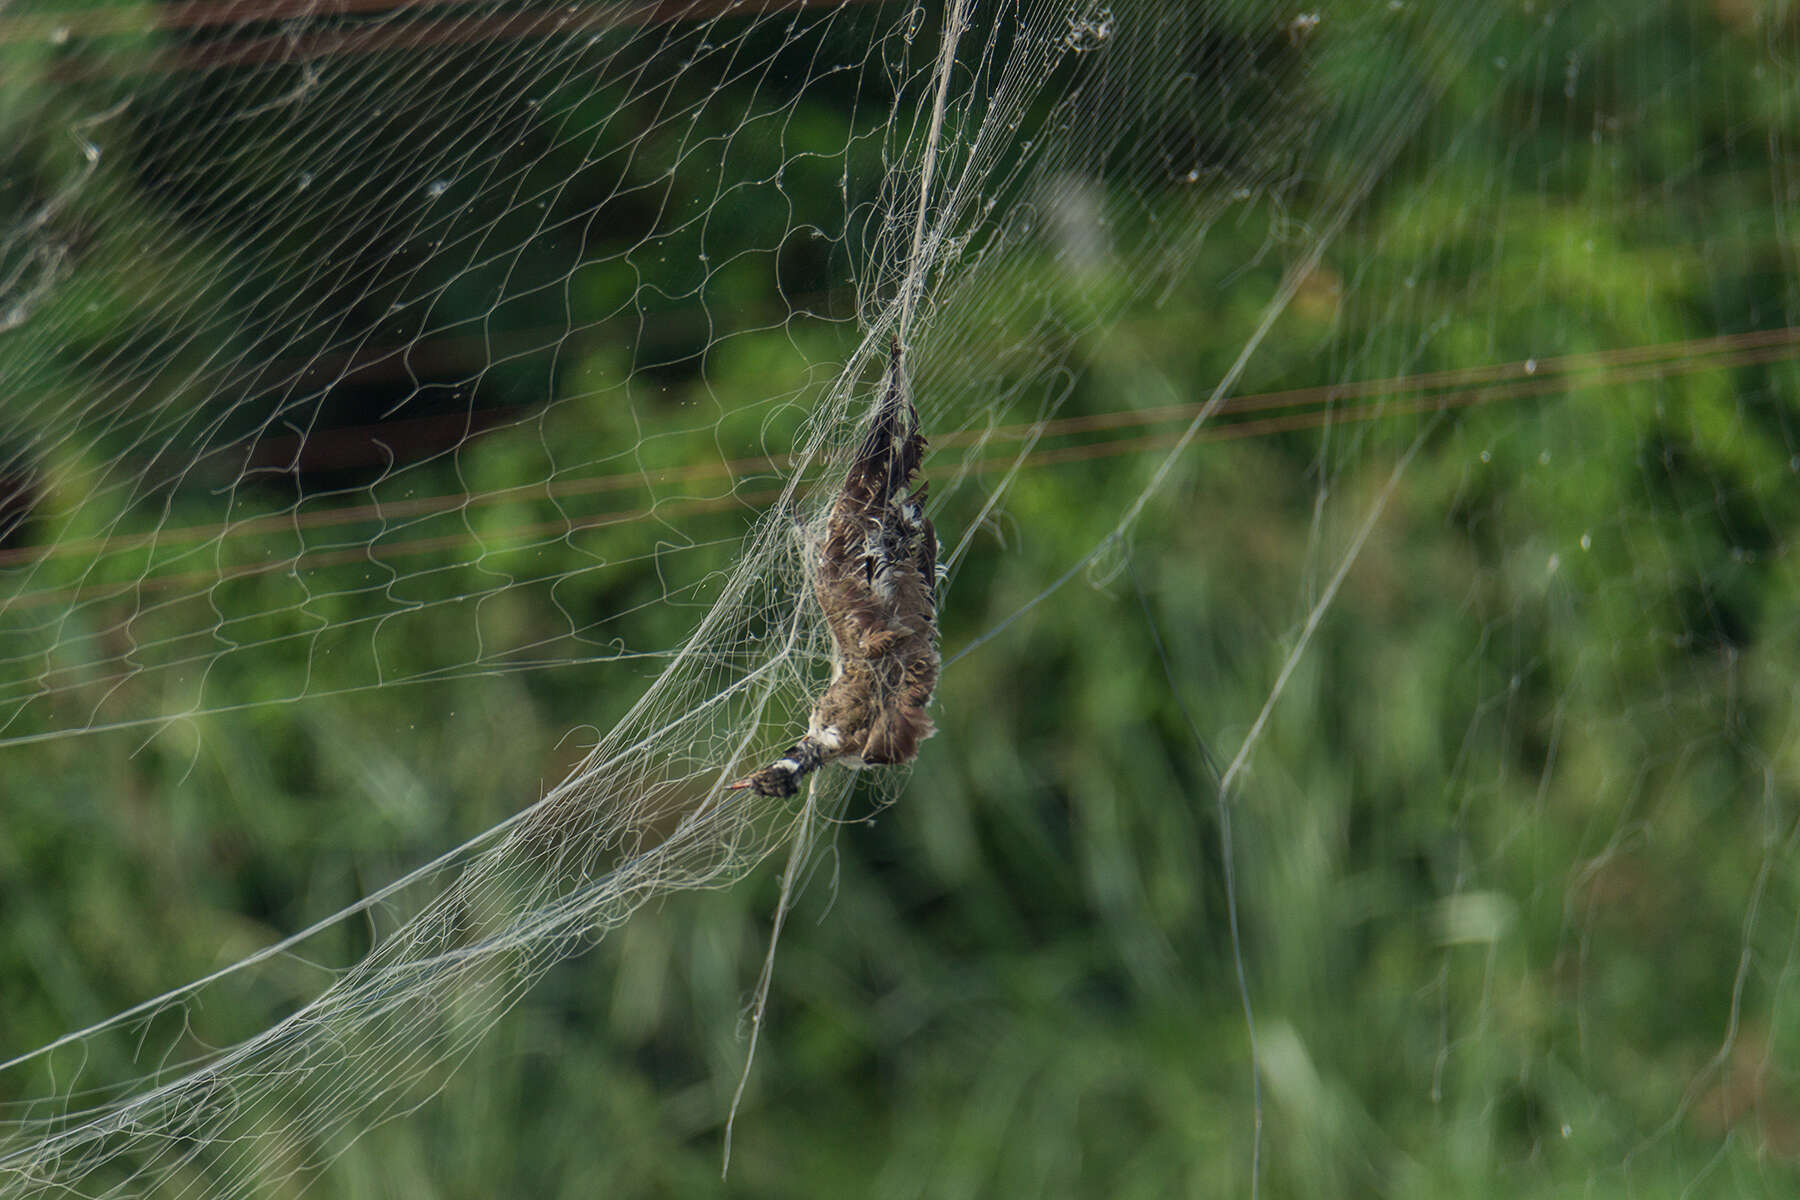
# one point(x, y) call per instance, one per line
point(1527, 386)
point(374, 552)
point(1317, 615)
point(1524, 378)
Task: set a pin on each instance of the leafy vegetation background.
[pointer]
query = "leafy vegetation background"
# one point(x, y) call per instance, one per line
point(1514, 861)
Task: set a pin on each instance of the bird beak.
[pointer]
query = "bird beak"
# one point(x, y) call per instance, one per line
point(740, 785)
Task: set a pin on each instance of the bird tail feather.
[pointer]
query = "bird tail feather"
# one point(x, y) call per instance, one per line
point(891, 452)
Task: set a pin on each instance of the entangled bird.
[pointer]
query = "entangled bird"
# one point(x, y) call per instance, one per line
point(876, 581)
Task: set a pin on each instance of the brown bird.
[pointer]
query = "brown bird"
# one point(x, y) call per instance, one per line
point(876, 582)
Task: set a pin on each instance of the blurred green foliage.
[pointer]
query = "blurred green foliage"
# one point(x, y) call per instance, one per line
point(1513, 861)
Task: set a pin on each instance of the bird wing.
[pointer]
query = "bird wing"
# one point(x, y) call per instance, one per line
point(856, 583)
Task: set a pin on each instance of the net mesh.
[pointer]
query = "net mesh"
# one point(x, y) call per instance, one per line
point(408, 406)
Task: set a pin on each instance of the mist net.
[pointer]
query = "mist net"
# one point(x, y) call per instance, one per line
point(1364, 440)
